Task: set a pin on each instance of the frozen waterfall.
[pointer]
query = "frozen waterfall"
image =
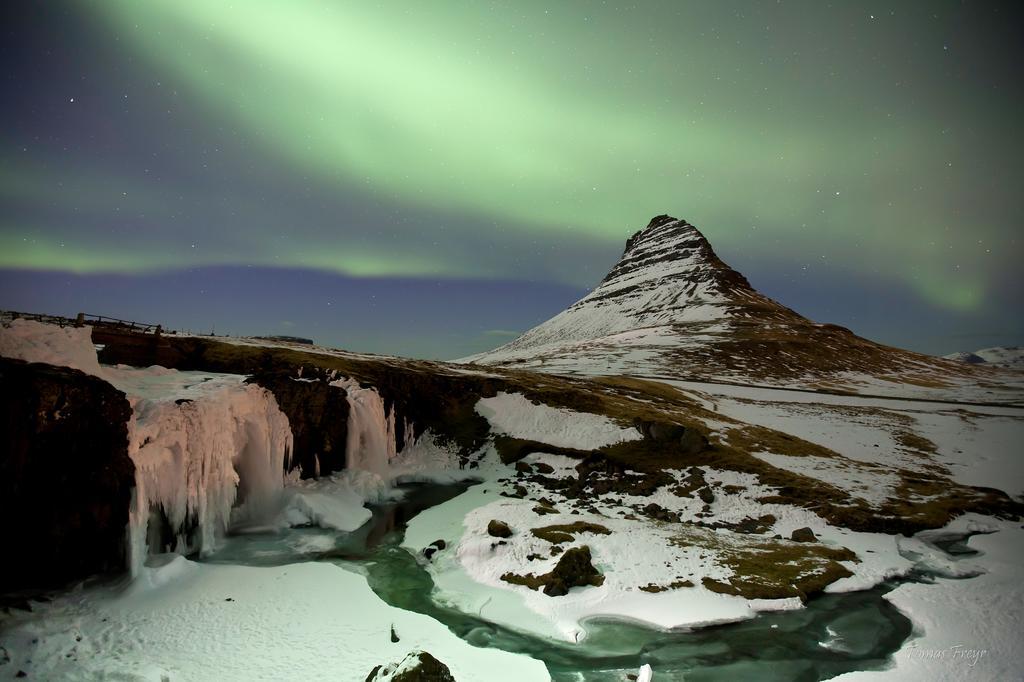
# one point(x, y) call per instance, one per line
point(372, 442)
point(200, 443)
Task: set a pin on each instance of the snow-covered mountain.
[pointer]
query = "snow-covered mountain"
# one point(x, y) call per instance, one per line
point(671, 308)
point(1000, 356)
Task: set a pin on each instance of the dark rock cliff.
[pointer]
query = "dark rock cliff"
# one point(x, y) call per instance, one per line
point(65, 475)
point(318, 416)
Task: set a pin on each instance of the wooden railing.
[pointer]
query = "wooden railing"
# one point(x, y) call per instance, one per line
point(88, 319)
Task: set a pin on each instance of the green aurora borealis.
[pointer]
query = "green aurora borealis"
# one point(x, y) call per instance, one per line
point(870, 142)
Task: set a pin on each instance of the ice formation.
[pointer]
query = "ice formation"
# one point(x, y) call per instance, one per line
point(372, 442)
point(195, 457)
point(210, 450)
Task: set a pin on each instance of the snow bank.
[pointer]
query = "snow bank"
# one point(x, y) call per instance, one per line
point(205, 442)
point(514, 415)
point(62, 346)
point(965, 628)
point(334, 502)
point(981, 450)
point(342, 511)
point(874, 485)
point(309, 621)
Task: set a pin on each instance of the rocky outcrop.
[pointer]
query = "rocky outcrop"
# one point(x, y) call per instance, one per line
point(574, 569)
point(687, 441)
point(804, 534)
point(498, 529)
point(65, 475)
point(417, 666)
point(318, 416)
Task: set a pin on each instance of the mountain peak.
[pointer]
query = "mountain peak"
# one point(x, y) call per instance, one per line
point(669, 249)
point(668, 276)
point(671, 308)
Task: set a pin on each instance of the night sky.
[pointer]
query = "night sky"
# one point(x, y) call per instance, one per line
point(432, 178)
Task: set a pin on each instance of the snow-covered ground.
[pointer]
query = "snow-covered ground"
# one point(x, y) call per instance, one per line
point(979, 445)
point(965, 628)
point(470, 577)
point(189, 621)
point(513, 415)
point(636, 552)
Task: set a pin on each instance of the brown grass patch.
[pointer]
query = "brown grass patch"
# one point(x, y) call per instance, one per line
point(559, 533)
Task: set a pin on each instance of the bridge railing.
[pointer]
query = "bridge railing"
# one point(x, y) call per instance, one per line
point(88, 318)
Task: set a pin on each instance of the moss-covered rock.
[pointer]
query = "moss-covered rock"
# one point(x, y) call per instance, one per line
point(574, 569)
point(565, 532)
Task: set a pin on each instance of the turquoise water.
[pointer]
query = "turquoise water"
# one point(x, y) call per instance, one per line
point(833, 634)
point(865, 630)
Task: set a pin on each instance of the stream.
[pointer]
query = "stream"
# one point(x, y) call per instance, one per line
point(835, 633)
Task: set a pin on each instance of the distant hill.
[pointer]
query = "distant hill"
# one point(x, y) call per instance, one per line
point(1011, 357)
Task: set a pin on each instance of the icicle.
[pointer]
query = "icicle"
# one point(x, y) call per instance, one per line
point(392, 440)
point(408, 433)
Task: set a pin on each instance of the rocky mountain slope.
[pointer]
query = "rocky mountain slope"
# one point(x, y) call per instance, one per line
point(672, 309)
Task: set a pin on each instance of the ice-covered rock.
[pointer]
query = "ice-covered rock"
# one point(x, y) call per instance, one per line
point(33, 341)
